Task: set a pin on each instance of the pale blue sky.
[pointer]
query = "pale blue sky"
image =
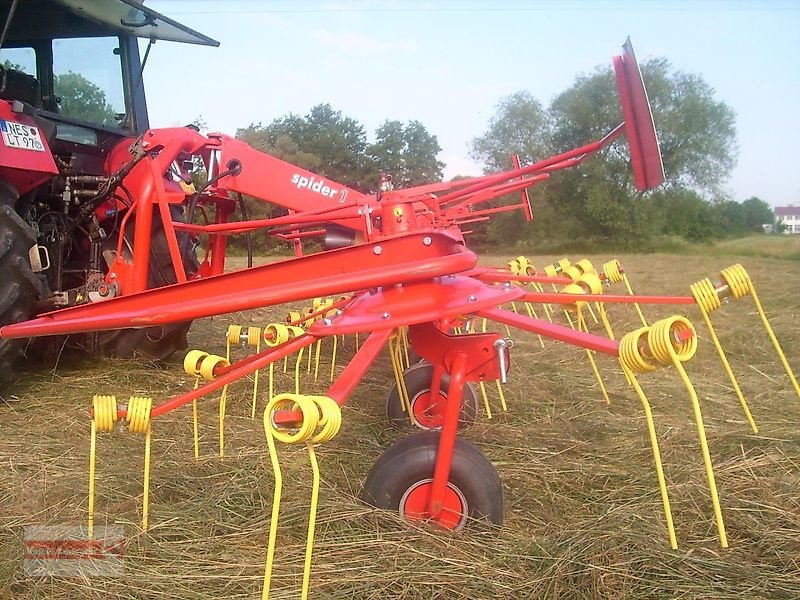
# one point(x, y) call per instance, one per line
point(447, 63)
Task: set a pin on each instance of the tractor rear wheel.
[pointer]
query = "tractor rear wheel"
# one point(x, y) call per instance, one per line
point(21, 288)
point(161, 342)
point(401, 481)
point(427, 411)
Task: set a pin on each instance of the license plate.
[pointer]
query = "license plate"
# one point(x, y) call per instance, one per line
point(17, 135)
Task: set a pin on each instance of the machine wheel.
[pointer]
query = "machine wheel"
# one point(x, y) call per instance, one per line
point(161, 342)
point(401, 481)
point(21, 288)
point(428, 413)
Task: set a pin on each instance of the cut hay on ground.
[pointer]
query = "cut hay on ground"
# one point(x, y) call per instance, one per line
point(583, 512)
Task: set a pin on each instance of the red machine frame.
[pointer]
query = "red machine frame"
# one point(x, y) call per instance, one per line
point(408, 265)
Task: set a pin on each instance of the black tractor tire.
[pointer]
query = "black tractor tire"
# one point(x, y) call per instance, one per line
point(418, 379)
point(160, 342)
point(21, 288)
point(398, 478)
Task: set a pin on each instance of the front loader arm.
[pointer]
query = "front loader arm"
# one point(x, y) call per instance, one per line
point(274, 180)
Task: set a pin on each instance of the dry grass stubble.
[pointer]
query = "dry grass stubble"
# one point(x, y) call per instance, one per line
point(583, 512)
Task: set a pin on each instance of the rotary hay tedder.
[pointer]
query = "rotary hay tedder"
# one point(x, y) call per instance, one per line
point(396, 274)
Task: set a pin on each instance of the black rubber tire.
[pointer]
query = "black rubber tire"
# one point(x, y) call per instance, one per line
point(411, 461)
point(156, 343)
point(418, 380)
point(21, 288)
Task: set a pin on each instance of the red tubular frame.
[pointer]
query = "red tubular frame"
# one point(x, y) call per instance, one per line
point(553, 331)
point(351, 376)
point(554, 298)
point(404, 259)
point(447, 437)
point(233, 373)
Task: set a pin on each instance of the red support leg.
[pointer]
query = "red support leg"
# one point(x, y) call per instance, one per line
point(447, 439)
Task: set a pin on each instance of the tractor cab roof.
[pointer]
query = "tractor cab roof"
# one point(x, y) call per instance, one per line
point(50, 19)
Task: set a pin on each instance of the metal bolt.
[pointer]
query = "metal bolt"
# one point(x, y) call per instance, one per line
point(500, 346)
point(113, 276)
point(327, 322)
point(427, 240)
point(507, 285)
point(472, 299)
point(377, 250)
point(385, 315)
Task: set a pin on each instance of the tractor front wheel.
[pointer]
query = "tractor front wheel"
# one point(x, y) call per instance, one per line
point(427, 411)
point(402, 479)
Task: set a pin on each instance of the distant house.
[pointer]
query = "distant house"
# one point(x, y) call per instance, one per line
point(789, 216)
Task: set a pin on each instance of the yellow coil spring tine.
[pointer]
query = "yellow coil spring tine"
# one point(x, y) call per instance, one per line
point(256, 377)
point(276, 503)
point(532, 314)
point(297, 371)
point(601, 308)
point(651, 430)
point(92, 461)
point(740, 283)
point(404, 338)
point(635, 304)
point(397, 370)
point(404, 390)
point(666, 349)
point(105, 416)
point(589, 354)
point(707, 300)
point(139, 422)
point(146, 482)
point(316, 359)
point(488, 408)
point(271, 390)
point(195, 430)
point(195, 425)
point(580, 325)
point(234, 334)
point(356, 342)
point(591, 312)
point(312, 521)
point(223, 402)
point(333, 358)
point(548, 309)
point(502, 395)
point(317, 411)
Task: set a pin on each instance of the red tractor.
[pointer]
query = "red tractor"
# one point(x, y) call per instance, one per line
point(72, 104)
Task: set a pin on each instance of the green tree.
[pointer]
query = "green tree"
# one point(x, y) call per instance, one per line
point(81, 99)
point(323, 141)
point(756, 213)
point(407, 152)
point(596, 201)
point(519, 126)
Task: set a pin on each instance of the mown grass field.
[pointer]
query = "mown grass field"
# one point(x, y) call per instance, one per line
point(583, 512)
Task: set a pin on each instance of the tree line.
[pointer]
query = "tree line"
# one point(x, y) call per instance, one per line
point(593, 204)
point(597, 202)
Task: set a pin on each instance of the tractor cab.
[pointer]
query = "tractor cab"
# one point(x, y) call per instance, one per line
point(77, 62)
point(74, 66)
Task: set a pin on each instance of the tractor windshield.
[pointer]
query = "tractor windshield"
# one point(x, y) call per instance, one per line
point(87, 80)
